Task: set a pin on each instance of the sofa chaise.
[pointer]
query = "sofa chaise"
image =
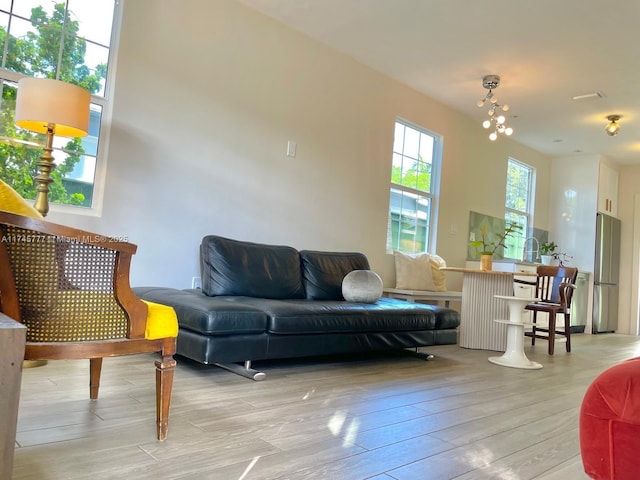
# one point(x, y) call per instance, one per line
point(260, 302)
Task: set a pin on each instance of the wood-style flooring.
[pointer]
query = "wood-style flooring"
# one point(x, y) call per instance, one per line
point(377, 417)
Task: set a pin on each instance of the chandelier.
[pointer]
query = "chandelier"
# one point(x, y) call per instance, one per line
point(613, 127)
point(496, 120)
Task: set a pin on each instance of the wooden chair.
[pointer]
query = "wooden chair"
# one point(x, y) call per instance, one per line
point(71, 290)
point(554, 288)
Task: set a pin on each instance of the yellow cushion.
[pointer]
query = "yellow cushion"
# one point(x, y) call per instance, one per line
point(11, 201)
point(162, 321)
point(439, 278)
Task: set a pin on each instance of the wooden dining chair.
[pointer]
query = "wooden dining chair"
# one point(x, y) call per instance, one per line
point(554, 289)
point(70, 288)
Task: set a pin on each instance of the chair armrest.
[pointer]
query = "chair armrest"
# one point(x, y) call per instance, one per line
point(566, 293)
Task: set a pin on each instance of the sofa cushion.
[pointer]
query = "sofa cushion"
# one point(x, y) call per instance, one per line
point(323, 272)
point(294, 317)
point(233, 267)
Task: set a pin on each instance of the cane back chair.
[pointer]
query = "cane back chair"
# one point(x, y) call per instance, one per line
point(71, 290)
point(554, 289)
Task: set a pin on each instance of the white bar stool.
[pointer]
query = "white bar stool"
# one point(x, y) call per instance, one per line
point(514, 355)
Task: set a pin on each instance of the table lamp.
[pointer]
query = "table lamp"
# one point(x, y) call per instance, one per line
point(52, 107)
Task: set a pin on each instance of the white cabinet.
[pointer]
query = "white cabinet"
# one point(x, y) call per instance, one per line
point(525, 291)
point(580, 187)
point(608, 190)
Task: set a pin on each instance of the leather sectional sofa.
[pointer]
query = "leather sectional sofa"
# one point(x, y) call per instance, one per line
point(261, 302)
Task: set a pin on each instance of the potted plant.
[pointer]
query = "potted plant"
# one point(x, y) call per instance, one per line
point(547, 250)
point(488, 248)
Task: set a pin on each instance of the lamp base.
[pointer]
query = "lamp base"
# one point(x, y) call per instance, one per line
point(43, 179)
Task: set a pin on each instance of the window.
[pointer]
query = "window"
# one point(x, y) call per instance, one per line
point(519, 203)
point(414, 184)
point(68, 40)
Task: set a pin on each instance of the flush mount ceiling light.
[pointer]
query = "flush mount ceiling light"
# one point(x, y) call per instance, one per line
point(613, 127)
point(491, 82)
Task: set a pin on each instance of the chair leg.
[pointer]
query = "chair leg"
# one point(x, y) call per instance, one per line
point(552, 332)
point(95, 368)
point(567, 330)
point(533, 331)
point(164, 384)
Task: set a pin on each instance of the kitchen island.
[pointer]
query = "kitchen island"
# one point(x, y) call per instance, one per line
point(480, 307)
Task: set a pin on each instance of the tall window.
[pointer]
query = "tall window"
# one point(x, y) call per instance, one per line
point(414, 184)
point(68, 40)
point(519, 203)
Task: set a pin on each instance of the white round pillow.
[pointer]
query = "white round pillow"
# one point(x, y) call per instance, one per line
point(362, 286)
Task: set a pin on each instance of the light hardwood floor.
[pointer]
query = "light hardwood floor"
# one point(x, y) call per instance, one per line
point(377, 417)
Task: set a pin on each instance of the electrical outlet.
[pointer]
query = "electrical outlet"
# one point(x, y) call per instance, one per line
point(195, 282)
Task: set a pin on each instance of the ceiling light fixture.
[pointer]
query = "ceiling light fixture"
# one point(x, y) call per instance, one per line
point(612, 127)
point(491, 82)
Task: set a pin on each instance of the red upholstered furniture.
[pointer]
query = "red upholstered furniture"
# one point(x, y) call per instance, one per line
point(610, 423)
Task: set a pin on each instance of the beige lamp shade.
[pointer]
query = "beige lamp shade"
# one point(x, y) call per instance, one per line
point(43, 101)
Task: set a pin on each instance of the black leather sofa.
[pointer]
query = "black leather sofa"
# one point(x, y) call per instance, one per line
point(261, 302)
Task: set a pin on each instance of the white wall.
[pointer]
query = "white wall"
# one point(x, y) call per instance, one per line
point(207, 95)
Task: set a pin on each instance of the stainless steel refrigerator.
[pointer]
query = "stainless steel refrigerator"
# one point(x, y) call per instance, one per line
point(606, 272)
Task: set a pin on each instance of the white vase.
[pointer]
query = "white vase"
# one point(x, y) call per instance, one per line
point(546, 259)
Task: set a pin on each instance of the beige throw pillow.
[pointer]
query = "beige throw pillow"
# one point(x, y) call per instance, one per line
point(419, 272)
point(413, 272)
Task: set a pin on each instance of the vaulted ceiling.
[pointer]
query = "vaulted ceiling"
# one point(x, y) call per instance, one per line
point(545, 51)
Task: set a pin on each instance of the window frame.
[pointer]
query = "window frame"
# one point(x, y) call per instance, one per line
point(528, 213)
point(106, 104)
point(434, 190)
